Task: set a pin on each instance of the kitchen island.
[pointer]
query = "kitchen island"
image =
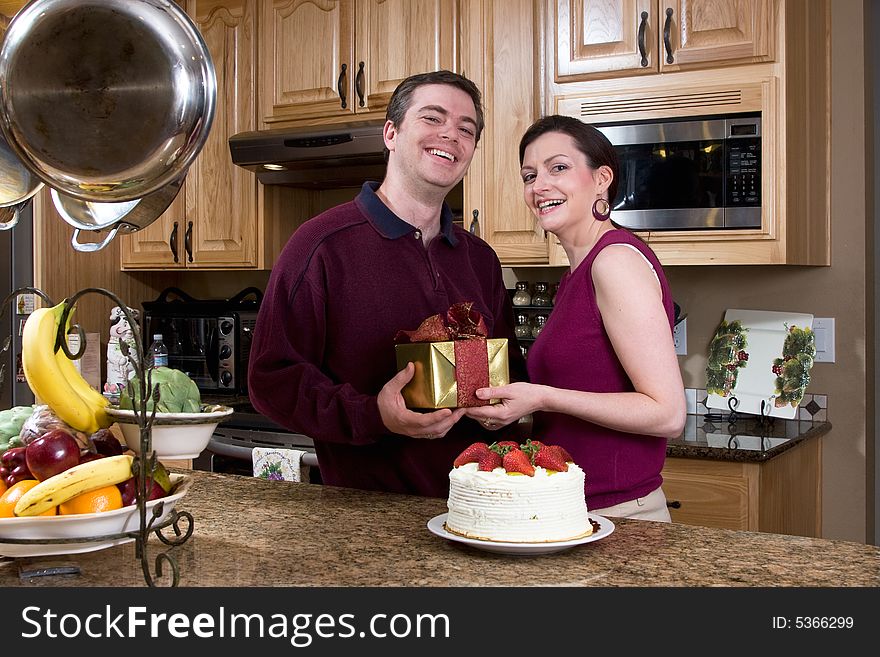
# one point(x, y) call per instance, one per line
point(251, 532)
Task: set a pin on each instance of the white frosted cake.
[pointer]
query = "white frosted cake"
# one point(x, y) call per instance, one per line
point(523, 502)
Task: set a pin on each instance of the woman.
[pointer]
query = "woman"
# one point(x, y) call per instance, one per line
point(605, 382)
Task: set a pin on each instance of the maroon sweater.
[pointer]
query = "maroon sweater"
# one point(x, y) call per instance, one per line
point(573, 351)
point(345, 283)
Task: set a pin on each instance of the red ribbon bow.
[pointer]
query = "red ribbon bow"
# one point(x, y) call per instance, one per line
point(462, 323)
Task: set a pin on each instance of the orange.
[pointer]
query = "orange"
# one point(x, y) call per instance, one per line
point(13, 494)
point(107, 498)
point(2, 486)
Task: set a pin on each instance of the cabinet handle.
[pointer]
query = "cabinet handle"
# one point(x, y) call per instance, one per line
point(643, 24)
point(172, 243)
point(340, 85)
point(674, 504)
point(475, 224)
point(187, 241)
point(359, 84)
point(667, 26)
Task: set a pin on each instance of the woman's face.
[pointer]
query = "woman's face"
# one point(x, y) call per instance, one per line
point(559, 187)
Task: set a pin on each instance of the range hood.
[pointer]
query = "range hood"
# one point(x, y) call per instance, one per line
point(327, 157)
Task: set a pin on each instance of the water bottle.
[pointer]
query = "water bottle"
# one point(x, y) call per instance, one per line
point(158, 352)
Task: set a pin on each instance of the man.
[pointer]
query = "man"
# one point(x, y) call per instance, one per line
point(322, 361)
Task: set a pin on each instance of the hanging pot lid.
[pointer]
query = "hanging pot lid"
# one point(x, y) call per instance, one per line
point(105, 100)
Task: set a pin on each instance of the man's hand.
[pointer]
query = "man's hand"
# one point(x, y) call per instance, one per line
point(399, 419)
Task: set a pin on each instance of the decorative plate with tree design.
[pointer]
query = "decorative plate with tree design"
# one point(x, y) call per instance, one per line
point(760, 357)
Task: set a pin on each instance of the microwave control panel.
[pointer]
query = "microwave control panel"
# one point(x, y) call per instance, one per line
point(744, 172)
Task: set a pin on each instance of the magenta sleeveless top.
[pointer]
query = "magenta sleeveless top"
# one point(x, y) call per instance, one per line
point(573, 351)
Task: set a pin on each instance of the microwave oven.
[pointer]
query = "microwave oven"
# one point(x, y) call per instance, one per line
point(208, 339)
point(695, 173)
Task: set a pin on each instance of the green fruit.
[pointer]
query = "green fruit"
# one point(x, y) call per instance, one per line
point(162, 477)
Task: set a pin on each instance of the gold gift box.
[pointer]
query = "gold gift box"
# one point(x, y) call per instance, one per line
point(433, 385)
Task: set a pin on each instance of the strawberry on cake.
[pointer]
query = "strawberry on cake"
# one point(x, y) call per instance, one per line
point(506, 492)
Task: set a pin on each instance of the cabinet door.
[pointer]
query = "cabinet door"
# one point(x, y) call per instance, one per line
point(213, 221)
point(711, 493)
point(700, 33)
point(8, 9)
point(499, 64)
point(398, 38)
point(159, 245)
point(603, 38)
point(221, 198)
point(307, 49)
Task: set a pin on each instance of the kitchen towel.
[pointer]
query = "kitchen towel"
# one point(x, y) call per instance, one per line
point(278, 464)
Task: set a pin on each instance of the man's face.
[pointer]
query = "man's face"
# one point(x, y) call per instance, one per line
point(435, 142)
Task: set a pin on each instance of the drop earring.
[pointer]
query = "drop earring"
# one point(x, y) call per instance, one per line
point(601, 209)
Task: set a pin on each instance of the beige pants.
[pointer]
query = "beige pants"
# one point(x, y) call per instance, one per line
point(651, 507)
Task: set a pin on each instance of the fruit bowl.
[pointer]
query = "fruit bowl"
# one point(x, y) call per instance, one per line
point(90, 527)
point(175, 435)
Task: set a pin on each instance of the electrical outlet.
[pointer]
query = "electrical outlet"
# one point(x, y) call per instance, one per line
point(679, 338)
point(823, 333)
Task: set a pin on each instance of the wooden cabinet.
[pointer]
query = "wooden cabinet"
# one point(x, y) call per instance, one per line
point(595, 39)
point(333, 59)
point(222, 218)
point(493, 56)
point(780, 48)
point(781, 495)
point(213, 221)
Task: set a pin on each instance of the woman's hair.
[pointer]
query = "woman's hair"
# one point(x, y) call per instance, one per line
point(592, 143)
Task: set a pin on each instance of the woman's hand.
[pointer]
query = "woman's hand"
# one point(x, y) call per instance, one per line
point(517, 400)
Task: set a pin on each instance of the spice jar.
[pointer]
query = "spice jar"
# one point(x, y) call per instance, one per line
point(542, 297)
point(540, 320)
point(523, 328)
point(525, 350)
point(522, 297)
point(554, 290)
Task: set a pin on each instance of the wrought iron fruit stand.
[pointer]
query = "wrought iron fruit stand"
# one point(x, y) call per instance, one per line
point(144, 465)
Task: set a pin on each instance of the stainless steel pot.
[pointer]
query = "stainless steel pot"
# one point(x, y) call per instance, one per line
point(127, 216)
point(105, 100)
point(17, 183)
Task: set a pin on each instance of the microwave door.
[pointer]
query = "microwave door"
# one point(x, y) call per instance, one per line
point(672, 175)
point(670, 186)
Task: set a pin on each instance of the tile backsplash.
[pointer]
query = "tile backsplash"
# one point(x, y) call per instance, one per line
point(813, 407)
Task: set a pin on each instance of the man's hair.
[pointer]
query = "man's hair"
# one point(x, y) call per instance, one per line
point(402, 96)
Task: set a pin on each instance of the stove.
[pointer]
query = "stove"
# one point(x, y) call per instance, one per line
point(230, 448)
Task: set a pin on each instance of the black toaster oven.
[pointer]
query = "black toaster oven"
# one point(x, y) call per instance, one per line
point(208, 339)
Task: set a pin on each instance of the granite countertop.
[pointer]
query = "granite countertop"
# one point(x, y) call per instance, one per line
point(745, 440)
point(253, 532)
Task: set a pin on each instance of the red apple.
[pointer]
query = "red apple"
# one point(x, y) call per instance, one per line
point(128, 488)
point(15, 466)
point(156, 490)
point(52, 453)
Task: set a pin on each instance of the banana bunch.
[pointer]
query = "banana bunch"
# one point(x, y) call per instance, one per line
point(82, 478)
point(53, 377)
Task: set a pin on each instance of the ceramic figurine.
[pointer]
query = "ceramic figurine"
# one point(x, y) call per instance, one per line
point(119, 369)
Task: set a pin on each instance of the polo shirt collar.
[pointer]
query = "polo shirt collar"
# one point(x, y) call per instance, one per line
point(389, 224)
